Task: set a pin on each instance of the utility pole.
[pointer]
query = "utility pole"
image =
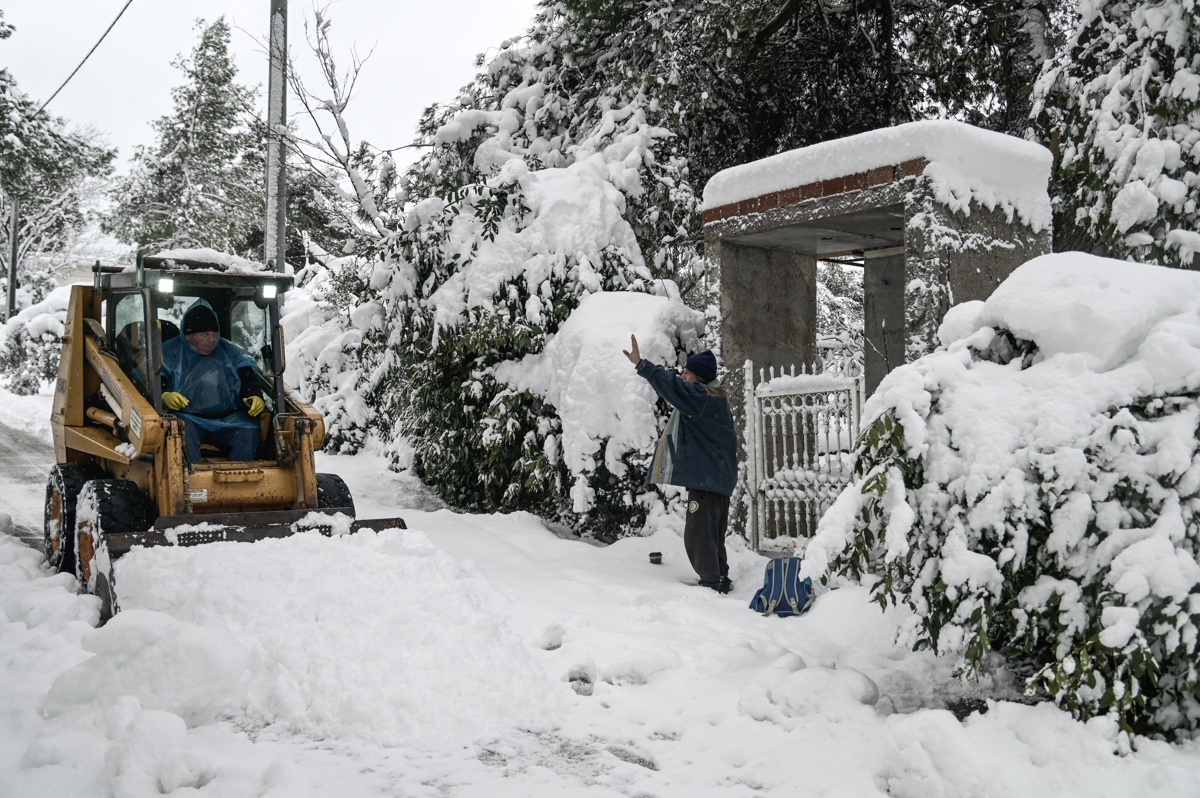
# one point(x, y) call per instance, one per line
point(14, 228)
point(275, 240)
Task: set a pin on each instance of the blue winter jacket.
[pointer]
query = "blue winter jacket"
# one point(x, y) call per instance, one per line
point(210, 382)
point(698, 449)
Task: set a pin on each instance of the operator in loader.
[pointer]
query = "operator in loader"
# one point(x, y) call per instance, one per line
point(210, 384)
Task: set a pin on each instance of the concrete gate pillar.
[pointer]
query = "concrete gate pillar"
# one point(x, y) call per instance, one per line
point(768, 310)
point(883, 313)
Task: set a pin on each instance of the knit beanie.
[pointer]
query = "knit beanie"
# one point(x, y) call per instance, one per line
point(703, 365)
point(200, 319)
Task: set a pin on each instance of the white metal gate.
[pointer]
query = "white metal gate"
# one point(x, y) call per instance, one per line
point(801, 429)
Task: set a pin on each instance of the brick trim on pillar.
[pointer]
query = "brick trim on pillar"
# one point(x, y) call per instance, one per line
point(860, 181)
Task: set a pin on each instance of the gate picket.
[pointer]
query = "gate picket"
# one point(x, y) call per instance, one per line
point(800, 431)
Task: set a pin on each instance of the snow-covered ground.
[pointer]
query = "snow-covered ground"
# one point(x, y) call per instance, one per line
point(485, 655)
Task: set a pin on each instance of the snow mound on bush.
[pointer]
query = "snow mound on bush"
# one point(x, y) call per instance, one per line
point(30, 343)
point(1111, 310)
point(47, 317)
point(1034, 486)
point(584, 374)
point(574, 219)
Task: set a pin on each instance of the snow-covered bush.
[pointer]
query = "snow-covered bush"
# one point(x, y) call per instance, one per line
point(323, 330)
point(604, 426)
point(534, 195)
point(31, 341)
point(501, 267)
point(1033, 489)
point(1122, 106)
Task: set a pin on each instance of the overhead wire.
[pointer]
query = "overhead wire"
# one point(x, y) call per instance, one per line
point(84, 61)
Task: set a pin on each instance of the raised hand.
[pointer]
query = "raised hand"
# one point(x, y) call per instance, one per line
point(634, 355)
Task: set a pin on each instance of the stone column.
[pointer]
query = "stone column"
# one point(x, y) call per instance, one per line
point(768, 311)
point(883, 313)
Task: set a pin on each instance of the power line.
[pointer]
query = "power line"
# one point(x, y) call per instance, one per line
point(84, 61)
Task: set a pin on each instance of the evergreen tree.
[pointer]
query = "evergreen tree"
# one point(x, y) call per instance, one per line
point(656, 96)
point(53, 172)
point(1121, 109)
point(201, 183)
point(977, 60)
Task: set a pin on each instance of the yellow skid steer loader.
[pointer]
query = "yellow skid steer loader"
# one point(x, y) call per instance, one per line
point(123, 477)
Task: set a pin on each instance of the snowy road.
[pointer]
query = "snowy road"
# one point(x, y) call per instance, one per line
point(478, 655)
point(25, 460)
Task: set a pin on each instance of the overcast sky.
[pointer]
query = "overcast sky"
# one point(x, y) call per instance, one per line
point(422, 53)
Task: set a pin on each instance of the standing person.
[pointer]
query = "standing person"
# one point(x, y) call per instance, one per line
point(697, 451)
point(210, 384)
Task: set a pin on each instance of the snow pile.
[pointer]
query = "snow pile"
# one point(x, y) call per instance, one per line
point(1033, 487)
point(607, 410)
point(965, 164)
point(230, 660)
point(393, 608)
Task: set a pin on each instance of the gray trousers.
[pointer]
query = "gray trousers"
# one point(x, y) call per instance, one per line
point(704, 535)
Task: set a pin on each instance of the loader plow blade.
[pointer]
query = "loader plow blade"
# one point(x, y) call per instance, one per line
point(196, 530)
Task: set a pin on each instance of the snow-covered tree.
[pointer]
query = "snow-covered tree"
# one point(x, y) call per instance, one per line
point(1121, 107)
point(200, 184)
point(977, 60)
point(840, 317)
point(55, 174)
point(1030, 493)
point(477, 254)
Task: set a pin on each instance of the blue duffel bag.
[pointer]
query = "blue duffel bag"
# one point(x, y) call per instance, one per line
point(783, 592)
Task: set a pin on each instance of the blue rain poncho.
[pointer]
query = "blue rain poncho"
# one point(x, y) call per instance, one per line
point(210, 382)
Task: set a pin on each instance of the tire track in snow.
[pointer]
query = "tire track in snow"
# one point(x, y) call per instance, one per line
point(25, 462)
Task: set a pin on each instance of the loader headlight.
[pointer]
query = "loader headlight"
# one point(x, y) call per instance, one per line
point(166, 285)
point(268, 291)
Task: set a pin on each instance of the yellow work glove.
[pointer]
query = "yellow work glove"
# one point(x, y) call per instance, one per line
point(174, 401)
point(254, 404)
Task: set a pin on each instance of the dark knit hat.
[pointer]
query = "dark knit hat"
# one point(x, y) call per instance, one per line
point(200, 319)
point(703, 365)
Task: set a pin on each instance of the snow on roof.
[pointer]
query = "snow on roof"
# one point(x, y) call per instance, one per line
point(221, 261)
point(964, 163)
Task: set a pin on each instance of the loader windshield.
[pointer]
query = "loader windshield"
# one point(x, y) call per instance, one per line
point(243, 322)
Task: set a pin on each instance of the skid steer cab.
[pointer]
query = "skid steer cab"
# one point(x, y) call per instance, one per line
point(124, 477)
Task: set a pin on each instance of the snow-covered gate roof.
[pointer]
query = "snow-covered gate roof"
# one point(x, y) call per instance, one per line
point(961, 163)
point(937, 212)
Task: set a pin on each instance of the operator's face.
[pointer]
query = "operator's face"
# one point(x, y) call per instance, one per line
point(204, 342)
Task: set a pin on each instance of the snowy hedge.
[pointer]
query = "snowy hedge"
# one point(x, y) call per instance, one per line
point(1032, 489)
point(323, 324)
point(605, 425)
point(31, 341)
